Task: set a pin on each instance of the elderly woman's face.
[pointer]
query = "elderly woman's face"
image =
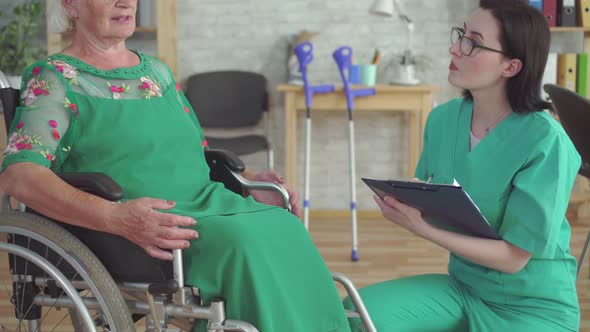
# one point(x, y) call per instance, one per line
point(112, 19)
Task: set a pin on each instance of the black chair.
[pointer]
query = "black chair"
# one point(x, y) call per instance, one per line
point(574, 114)
point(232, 100)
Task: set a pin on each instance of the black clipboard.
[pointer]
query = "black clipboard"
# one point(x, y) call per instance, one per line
point(444, 206)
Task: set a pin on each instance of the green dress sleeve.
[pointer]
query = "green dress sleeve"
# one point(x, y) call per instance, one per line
point(537, 203)
point(41, 120)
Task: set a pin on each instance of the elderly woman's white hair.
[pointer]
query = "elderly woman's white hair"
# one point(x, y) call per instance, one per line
point(58, 18)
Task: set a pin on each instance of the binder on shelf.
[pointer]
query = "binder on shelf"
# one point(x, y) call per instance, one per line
point(550, 74)
point(566, 13)
point(550, 11)
point(566, 71)
point(537, 4)
point(582, 78)
point(584, 13)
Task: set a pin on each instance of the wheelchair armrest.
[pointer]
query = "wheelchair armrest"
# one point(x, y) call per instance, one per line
point(98, 184)
point(263, 185)
point(225, 157)
point(226, 168)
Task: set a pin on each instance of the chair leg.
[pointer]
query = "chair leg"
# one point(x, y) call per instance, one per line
point(271, 161)
point(34, 325)
point(583, 254)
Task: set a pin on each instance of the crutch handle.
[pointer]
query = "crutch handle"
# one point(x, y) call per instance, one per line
point(311, 90)
point(354, 93)
point(363, 92)
point(304, 54)
point(343, 58)
point(318, 89)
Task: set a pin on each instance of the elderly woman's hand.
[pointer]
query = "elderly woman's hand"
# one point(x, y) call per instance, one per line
point(272, 197)
point(139, 221)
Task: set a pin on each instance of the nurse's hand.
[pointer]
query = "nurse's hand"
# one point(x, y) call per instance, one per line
point(143, 222)
point(404, 215)
point(272, 197)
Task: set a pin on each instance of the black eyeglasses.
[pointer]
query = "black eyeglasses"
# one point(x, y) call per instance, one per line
point(466, 44)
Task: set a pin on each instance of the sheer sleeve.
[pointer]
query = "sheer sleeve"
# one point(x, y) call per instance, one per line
point(42, 119)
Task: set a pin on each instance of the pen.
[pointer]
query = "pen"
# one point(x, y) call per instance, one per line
point(376, 57)
point(429, 178)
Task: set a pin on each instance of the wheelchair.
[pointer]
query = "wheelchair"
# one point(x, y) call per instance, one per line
point(52, 267)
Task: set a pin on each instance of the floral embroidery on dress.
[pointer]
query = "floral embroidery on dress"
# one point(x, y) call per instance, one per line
point(20, 140)
point(67, 70)
point(47, 155)
point(36, 87)
point(69, 104)
point(52, 123)
point(118, 90)
point(149, 87)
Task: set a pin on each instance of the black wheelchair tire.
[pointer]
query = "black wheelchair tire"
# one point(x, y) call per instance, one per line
point(114, 302)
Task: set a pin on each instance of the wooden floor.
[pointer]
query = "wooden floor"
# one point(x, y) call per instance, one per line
point(386, 252)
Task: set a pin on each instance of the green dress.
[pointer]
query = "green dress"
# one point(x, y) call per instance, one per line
point(520, 176)
point(135, 125)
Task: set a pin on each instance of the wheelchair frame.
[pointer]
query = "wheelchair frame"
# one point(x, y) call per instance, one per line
point(147, 299)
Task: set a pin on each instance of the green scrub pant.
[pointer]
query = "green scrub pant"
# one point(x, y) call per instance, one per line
point(437, 303)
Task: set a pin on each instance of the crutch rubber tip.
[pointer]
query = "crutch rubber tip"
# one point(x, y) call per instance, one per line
point(355, 255)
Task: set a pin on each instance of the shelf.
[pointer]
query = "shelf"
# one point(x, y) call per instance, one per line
point(570, 29)
point(146, 29)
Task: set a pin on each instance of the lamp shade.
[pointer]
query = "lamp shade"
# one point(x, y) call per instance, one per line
point(383, 7)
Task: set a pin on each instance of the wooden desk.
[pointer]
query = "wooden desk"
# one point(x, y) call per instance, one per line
point(414, 100)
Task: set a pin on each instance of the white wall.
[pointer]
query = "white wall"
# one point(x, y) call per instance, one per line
point(254, 35)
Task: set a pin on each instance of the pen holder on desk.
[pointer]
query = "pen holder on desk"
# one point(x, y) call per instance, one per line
point(354, 74)
point(368, 75)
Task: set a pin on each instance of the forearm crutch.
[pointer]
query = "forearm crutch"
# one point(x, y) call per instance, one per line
point(304, 55)
point(343, 57)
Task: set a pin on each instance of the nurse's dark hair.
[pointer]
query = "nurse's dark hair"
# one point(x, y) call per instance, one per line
point(524, 35)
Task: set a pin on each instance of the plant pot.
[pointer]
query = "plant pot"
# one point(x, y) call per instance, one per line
point(404, 75)
point(15, 81)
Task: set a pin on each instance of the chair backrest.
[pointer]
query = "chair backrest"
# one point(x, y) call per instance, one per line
point(574, 114)
point(9, 98)
point(228, 99)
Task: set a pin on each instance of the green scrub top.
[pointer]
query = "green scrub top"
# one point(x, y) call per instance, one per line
point(520, 176)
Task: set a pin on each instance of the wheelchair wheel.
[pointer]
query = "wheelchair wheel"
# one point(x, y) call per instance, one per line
point(32, 289)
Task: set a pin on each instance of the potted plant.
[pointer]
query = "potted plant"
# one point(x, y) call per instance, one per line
point(407, 67)
point(19, 45)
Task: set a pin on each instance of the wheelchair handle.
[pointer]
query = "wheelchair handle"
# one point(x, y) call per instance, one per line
point(262, 185)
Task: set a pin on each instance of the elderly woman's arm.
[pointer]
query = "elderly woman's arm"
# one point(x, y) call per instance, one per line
point(136, 220)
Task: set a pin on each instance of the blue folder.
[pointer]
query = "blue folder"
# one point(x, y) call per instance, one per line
point(443, 206)
point(537, 4)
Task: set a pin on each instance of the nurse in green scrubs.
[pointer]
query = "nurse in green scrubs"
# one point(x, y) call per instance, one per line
point(518, 165)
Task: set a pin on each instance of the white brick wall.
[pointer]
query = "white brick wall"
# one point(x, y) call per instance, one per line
point(254, 35)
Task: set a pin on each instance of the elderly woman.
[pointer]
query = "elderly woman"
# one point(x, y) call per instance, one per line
point(99, 107)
